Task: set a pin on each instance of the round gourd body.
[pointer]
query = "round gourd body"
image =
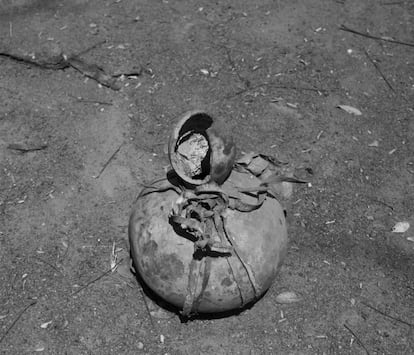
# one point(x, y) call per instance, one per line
point(162, 257)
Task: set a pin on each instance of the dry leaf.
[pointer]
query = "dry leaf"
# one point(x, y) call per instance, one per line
point(161, 313)
point(45, 325)
point(411, 239)
point(287, 297)
point(257, 165)
point(246, 158)
point(350, 109)
point(124, 270)
point(400, 227)
point(113, 258)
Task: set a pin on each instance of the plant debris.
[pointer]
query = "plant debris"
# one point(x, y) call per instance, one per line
point(400, 227)
point(287, 297)
point(367, 35)
point(351, 110)
point(26, 148)
point(108, 161)
point(377, 67)
point(17, 319)
point(60, 61)
point(97, 278)
point(388, 316)
point(357, 338)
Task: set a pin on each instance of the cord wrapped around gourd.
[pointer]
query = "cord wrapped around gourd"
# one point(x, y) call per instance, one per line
point(210, 236)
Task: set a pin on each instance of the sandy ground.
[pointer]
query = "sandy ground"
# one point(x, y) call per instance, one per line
point(273, 74)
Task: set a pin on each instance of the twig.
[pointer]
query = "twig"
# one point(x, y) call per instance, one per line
point(246, 82)
point(393, 3)
point(94, 72)
point(275, 86)
point(109, 160)
point(97, 278)
point(63, 61)
point(16, 320)
point(47, 263)
point(141, 289)
point(296, 88)
point(357, 338)
point(147, 308)
point(81, 99)
point(86, 50)
point(387, 315)
point(377, 67)
point(383, 203)
point(347, 29)
point(24, 148)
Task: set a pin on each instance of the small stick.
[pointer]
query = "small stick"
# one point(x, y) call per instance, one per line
point(97, 278)
point(86, 50)
point(147, 308)
point(24, 148)
point(347, 29)
point(387, 315)
point(374, 63)
point(95, 102)
point(109, 160)
point(393, 3)
point(11, 29)
point(141, 289)
point(81, 99)
point(17, 318)
point(357, 338)
point(274, 86)
point(47, 263)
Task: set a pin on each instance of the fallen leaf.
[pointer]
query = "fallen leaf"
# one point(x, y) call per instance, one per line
point(246, 158)
point(374, 144)
point(124, 270)
point(113, 258)
point(411, 239)
point(257, 165)
point(161, 313)
point(350, 109)
point(400, 227)
point(45, 325)
point(291, 105)
point(287, 297)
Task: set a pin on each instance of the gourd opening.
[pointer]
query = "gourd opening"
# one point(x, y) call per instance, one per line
point(191, 151)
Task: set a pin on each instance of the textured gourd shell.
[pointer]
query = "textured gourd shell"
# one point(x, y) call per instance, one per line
point(162, 257)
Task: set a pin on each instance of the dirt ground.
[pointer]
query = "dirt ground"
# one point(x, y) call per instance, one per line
point(273, 74)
